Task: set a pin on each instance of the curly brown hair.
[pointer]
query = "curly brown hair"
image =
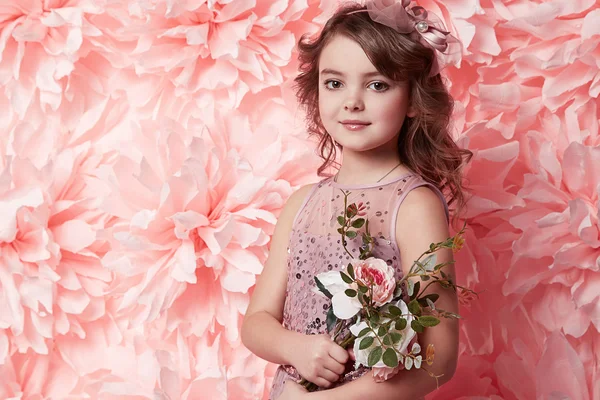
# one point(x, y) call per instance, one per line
point(425, 144)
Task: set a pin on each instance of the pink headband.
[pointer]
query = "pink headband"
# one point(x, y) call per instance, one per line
point(420, 25)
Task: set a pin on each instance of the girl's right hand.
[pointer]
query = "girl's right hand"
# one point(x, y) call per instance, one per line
point(319, 359)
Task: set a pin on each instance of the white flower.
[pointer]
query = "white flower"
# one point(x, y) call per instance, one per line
point(344, 307)
point(401, 347)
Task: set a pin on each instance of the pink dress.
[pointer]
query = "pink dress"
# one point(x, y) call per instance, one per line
point(315, 247)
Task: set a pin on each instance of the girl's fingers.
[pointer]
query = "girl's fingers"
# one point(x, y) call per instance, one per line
point(339, 354)
point(334, 366)
point(328, 375)
point(321, 382)
point(351, 354)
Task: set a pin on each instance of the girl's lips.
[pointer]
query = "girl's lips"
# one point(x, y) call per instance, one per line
point(355, 126)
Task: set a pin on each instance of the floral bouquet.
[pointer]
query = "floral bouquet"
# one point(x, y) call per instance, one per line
point(376, 314)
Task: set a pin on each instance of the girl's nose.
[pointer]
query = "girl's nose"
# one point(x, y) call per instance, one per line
point(354, 104)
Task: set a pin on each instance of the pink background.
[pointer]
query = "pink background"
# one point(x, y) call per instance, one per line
point(147, 148)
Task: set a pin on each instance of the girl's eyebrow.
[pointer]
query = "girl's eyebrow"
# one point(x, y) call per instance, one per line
point(334, 72)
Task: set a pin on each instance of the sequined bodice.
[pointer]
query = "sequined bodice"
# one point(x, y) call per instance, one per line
point(315, 247)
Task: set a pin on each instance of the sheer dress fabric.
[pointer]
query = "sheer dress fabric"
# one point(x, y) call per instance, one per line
point(315, 247)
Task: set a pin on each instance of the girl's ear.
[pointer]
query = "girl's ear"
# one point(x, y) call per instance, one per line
point(411, 112)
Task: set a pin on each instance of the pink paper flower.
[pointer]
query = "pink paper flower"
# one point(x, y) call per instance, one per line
point(58, 328)
point(220, 50)
point(202, 205)
point(55, 285)
point(40, 47)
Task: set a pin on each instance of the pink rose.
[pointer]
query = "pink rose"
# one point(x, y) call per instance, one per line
point(381, 374)
point(376, 272)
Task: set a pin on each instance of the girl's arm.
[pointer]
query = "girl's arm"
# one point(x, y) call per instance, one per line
point(262, 332)
point(421, 221)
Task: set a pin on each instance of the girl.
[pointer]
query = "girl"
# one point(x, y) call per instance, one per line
point(371, 88)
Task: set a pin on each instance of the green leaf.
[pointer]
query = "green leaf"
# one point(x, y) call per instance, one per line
point(430, 304)
point(387, 340)
point(417, 327)
point(432, 296)
point(448, 314)
point(416, 290)
point(331, 320)
point(358, 223)
point(398, 291)
point(351, 271)
point(362, 288)
point(340, 230)
point(363, 332)
point(430, 262)
point(414, 307)
point(366, 343)
point(351, 234)
point(401, 324)
point(350, 292)
point(396, 337)
point(381, 331)
point(374, 318)
point(321, 287)
point(375, 356)
point(424, 301)
point(395, 310)
point(410, 287)
point(428, 321)
point(341, 220)
point(346, 278)
point(390, 358)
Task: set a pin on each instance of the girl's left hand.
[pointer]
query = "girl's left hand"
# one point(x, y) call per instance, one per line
point(293, 391)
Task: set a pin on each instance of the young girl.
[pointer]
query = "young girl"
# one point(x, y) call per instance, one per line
point(371, 88)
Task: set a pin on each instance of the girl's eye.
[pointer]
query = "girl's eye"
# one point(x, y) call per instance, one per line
point(336, 84)
point(380, 86)
point(377, 86)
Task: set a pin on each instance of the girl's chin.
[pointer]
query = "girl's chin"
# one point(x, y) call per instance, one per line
point(353, 146)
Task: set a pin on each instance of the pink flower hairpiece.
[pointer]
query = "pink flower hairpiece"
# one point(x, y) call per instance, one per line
point(419, 24)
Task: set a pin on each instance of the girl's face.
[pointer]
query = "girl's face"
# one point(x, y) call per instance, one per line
point(359, 107)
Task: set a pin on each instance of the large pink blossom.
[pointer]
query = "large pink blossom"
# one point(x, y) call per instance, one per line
point(192, 204)
point(55, 284)
point(40, 45)
point(86, 368)
point(208, 367)
point(194, 208)
point(217, 49)
point(561, 232)
point(58, 329)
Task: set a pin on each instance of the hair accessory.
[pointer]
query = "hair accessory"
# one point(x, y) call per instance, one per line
point(419, 24)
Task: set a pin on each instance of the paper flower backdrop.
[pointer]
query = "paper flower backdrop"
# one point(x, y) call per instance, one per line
point(147, 148)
